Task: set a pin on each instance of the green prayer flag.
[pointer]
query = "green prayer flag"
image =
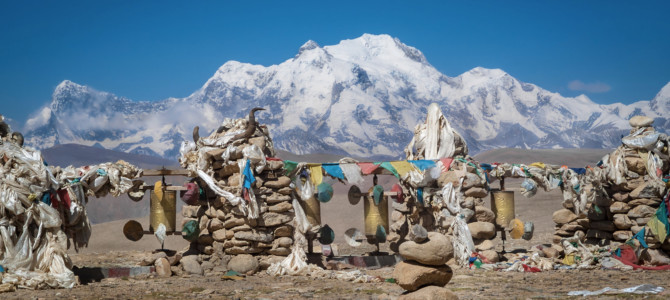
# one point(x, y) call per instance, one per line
point(289, 166)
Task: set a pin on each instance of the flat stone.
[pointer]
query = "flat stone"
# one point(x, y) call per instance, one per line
point(482, 230)
point(266, 261)
point(449, 176)
point(190, 211)
point(411, 275)
point(640, 121)
point(430, 292)
point(642, 221)
point(284, 230)
point(256, 236)
point(550, 252)
point(484, 214)
point(619, 208)
point(641, 211)
point(282, 181)
point(472, 180)
point(271, 219)
point(7, 287)
point(243, 263)
point(274, 164)
point(435, 251)
point(280, 207)
point(563, 216)
point(236, 243)
point(571, 227)
point(655, 202)
point(476, 192)
point(219, 235)
point(277, 198)
point(279, 251)
point(191, 266)
point(622, 235)
point(285, 242)
point(163, 267)
point(243, 250)
point(583, 222)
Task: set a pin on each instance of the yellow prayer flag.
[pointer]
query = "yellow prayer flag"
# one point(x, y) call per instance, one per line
point(316, 174)
point(403, 167)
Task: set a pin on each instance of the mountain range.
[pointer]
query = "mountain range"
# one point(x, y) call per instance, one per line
point(362, 97)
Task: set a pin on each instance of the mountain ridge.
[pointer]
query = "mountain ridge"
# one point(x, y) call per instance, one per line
point(361, 97)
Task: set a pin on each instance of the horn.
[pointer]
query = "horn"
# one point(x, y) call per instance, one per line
point(196, 134)
point(251, 125)
point(17, 137)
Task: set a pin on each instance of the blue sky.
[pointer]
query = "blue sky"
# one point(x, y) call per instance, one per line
point(612, 51)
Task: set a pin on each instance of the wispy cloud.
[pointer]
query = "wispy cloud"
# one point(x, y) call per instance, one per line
point(594, 87)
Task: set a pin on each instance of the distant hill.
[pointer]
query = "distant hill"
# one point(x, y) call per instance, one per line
point(570, 157)
point(81, 155)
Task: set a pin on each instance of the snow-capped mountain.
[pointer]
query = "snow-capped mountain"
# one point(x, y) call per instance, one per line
point(361, 97)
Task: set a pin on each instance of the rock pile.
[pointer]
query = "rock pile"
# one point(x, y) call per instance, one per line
point(425, 264)
point(627, 190)
point(245, 205)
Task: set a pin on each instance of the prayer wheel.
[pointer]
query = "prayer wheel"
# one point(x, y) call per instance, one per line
point(312, 208)
point(502, 204)
point(163, 210)
point(375, 215)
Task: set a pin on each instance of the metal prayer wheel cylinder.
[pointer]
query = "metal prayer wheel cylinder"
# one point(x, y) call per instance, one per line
point(163, 210)
point(502, 204)
point(312, 208)
point(375, 215)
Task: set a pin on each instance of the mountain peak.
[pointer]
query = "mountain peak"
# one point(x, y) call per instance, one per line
point(379, 47)
point(662, 100)
point(489, 73)
point(309, 45)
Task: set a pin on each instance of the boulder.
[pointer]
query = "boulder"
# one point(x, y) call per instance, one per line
point(636, 164)
point(621, 197)
point(430, 292)
point(621, 221)
point(243, 263)
point(277, 197)
point(219, 235)
point(285, 242)
point(482, 230)
point(191, 266)
point(654, 257)
point(471, 180)
point(563, 216)
point(619, 208)
point(491, 255)
point(449, 176)
point(435, 251)
point(233, 222)
point(418, 234)
point(484, 214)
point(412, 275)
point(550, 252)
point(649, 189)
point(150, 259)
point(485, 245)
point(279, 251)
point(163, 267)
point(641, 211)
point(468, 202)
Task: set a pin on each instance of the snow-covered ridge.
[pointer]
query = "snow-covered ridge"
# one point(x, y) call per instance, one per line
point(361, 97)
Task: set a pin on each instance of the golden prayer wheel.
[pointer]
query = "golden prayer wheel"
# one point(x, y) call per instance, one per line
point(312, 208)
point(163, 210)
point(375, 215)
point(502, 204)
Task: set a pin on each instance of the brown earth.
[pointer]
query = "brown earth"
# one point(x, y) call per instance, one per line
point(108, 247)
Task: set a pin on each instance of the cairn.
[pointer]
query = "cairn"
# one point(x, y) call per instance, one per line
point(245, 206)
point(630, 191)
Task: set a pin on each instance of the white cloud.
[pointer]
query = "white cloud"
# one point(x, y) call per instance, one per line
point(594, 87)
